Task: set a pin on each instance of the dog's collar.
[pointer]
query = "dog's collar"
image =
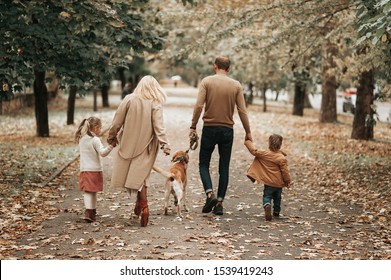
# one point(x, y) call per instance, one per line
point(180, 159)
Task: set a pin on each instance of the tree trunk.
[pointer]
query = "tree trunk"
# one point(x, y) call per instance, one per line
point(105, 96)
point(298, 100)
point(71, 105)
point(328, 107)
point(277, 94)
point(264, 89)
point(95, 108)
point(250, 97)
point(121, 75)
point(41, 104)
point(300, 92)
point(363, 121)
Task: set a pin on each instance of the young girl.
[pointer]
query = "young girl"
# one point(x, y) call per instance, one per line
point(91, 175)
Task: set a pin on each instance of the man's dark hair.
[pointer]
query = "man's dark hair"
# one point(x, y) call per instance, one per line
point(223, 63)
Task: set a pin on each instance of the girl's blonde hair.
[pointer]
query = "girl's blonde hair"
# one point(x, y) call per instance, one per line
point(275, 142)
point(149, 88)
point(86, 127)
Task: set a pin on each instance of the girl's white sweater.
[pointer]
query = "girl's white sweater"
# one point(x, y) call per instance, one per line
point(91, 149)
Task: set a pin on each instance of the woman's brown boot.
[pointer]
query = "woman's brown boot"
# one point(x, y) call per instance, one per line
point(137, 208)
point(144, 213)
point(143, 206)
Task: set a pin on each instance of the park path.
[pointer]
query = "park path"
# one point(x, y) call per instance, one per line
point(313, 225)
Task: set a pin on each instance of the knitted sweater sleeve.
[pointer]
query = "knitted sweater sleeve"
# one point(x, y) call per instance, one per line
point(100, 148)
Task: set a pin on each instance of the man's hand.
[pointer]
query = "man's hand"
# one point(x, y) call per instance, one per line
point(191, 132)
point(193, 139)
point(248, 137)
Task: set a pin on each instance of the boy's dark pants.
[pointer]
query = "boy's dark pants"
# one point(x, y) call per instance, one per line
point(272, 193)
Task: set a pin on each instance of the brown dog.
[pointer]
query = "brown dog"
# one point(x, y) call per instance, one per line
point(176, 181)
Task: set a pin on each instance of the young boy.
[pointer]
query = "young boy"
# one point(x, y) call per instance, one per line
point(271, 168)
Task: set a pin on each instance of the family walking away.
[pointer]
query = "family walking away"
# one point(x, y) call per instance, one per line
point(138, 129)
point(270, 167)
point(91, 174)
point(218, 95)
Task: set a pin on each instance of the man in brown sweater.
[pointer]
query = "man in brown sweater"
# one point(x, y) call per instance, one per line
point(218, 95)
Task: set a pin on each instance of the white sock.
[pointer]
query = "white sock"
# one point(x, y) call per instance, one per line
point(90, 200)
point(94, 200)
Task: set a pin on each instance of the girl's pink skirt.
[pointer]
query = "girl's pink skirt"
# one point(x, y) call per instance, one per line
point(91, 181)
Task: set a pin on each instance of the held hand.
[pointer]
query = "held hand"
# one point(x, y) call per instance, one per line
point(248, 137)
point(166, 149)
point(112, 141)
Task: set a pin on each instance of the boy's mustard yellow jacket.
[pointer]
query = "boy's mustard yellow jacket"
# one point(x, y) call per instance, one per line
point(268, 167)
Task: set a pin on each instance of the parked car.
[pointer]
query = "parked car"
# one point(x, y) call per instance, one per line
point(349, 101)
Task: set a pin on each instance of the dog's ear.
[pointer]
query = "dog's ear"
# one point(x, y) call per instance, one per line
point(174, 157)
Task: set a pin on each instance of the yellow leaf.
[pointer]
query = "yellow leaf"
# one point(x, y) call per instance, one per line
point(117, 24)
point(384, 38)
point(65, 15)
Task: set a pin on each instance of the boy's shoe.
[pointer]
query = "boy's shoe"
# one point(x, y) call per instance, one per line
point(276, 214)
point(218, 210)
point(268, 212)
point(209, 204)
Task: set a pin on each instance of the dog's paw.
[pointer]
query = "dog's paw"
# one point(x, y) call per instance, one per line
point(179, 218)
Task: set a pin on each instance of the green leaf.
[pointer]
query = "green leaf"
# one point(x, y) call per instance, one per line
point(387, 8)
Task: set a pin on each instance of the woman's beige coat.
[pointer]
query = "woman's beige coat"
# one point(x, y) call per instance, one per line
point(138, 125)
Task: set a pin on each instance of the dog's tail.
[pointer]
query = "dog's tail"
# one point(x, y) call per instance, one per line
point(163, 172)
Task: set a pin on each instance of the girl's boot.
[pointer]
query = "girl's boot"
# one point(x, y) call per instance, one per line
point(89, 215)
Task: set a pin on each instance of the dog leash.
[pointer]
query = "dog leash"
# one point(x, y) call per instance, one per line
point(193, 141)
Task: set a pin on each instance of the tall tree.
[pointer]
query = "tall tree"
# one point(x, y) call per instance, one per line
point(81, 41)
point(363, 122)
point(328, 108)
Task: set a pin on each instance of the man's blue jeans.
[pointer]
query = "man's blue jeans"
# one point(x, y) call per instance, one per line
point(272, 193)
point(223, 138)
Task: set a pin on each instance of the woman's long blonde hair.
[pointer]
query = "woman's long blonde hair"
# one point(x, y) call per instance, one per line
point(86, 127)
point(149, 88)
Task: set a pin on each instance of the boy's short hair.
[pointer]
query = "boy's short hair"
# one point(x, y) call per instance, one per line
point(275, 142)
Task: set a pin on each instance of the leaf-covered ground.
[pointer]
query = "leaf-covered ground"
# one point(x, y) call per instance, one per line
point(338, 208)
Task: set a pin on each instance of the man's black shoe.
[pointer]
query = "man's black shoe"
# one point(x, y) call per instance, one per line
point(209, 204)
point(218, 210)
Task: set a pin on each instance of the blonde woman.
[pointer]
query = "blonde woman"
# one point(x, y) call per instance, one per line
point(139, 130)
